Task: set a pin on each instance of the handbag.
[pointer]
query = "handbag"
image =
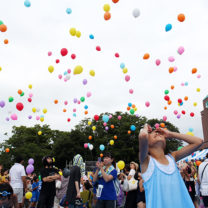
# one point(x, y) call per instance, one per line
point(125, 185)
point(58, 184)
point(202, 175)
point(133, 184)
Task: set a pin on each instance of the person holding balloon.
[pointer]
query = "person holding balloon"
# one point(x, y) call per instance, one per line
point(35, 192)
point(163, 184)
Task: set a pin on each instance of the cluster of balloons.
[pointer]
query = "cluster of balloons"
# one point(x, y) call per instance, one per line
point(132, 108)
point(74, 32)
point(3, 28)
point(107, 14)
point(30, 167)
point(181, 18)
point(88, 145)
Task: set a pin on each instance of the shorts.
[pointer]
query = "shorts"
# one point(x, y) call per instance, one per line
point(106, 204)
point(205, 200)
point(19, 194)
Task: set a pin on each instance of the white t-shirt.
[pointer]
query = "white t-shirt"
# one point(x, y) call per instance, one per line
point(132, 172)
point(16, 172)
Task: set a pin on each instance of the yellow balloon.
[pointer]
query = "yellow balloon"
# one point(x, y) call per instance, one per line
point(40, 133)
point(94, 128)
point(135, 109)
point(54, 160)
point(195, 104)
point(106, 7)
point(198, 90)
point(28, 195)
point(78, 69)
point(45, 110)
point(33, 110)
point(89, 123)
point(121, 164)
point(111, 142)
point(92, 73)
point(60, 173)
point(72, 31)
point(125, 70)
point(0, 68)
point(41, 119)
point(78, 34)
point(30, 86)
point(190, 133)
point(50, 69)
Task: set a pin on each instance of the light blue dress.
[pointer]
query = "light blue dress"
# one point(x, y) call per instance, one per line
point(164, 186)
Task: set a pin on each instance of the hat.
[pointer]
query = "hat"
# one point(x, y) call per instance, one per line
point(136, 165)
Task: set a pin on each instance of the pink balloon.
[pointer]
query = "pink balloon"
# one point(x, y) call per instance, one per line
point(74, 110)
point(178, 116)
point(175, 68)
point(65, 102)
point(119, 117)
point(198, 76)
point(131, 91)
point(181, 50)
point(85, 145)
point(158, 62)
point(69, 71)
point(37, 118)
point(182, 84)
point(157, 125)
point(78, 102)
point(14, 117)
point(127, 78)
point(60, 76)
point(110, 116)
point(171, 59)
point(147, 104)
point(65, 79)
point(30, 95)
point(104, 124)
point(49, 53)
point(164, 118)
point(175, 112)
point(89, 94)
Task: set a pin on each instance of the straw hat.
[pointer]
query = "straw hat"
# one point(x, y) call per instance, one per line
point(136, 165)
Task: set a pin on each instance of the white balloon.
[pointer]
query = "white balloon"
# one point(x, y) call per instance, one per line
point(91, 147)
point(136, 13)
point(68, 77)
point(38, 109)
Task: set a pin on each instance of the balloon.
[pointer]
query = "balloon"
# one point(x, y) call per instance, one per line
point(30, 117)
point(104, 124)
point(89, 94)
point(146, 56)
point(49, 53)
point(68, 10)
point(2, 104)
point(147, 104)
point(198, 89)
point(73, 56)
point(181, 17)
point(129, 104)
point(121, 165)
point(37, 118)
point(6, 41)
point(164, 118)
point(96, 117)
point(157, 125)
point(98, 48)
point(136, 13)
point(31, 161)
point(180, 100)
point(175, 112)
point(85, 145)
point(19, 106)
point(107, 16)
point(181, 50)
point(33, 110)
point(115, 1)
point(198, 163)
point(28, 195)
point(3, 28)
point(191, 129)
point(133, 128)
point(78, 34)
point(91, 36)
point(131, 91)
point(185, 98)
point(125, 70)
point(112, 126)
point(168, 27)
point(198, 76)
point(82, 99)
point(158, 62)
point(171, 59)
point(50, 69)
point(27, 3)
point(106, 128)
point(102, 147)
point(195, 104)
point(42, 119)
point(129, 132)
point(115, 137)
point(110, 116)
point(94, 128)
point(92, 73)
point(57, 61)
point(117, 55)
point(105, 118)
point(178, 116)
point(194, 70)
point(89, 123)
point(171, 70)
point(7, 119)
point(106, 7)
point(132, 111)
point(44, 110)
point(75, 100)
point(78, 69)
point(0, 68)
point(91, 147)
point(11, 99)
point(64, 51)
point(7, 150)
point(72, 31)
point(192, 114)
point(122, 65)
point(127, 78)
point(180, 147)
point(166, 92)
point(40, 133)
point(29, 169)
point(1, 22)
point(119, 117)
point(111, 142)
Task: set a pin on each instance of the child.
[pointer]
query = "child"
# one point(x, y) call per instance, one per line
point(35, 192)
point(163, 183)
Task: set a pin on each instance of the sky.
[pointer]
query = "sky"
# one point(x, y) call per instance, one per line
point(44, 27)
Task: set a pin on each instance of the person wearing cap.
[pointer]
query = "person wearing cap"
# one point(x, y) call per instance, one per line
point(106, 175)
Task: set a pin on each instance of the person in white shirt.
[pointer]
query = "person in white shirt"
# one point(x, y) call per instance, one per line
point(203, 179)
point(18, 179)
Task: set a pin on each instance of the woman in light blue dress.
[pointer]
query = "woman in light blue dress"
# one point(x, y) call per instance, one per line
point(163, 184)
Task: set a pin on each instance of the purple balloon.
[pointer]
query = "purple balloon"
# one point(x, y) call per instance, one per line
point(7, 119)
point(29, 169)
point(2, 104)
point(31, 161)
point(106, 128)
point(29, 117)
point(84, 81)
point(75, 100)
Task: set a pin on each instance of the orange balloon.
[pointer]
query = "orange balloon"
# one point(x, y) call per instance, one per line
point(162, 125)
point(107, 16)
point(128, 108)
point(165, 108)
point(115, 1)
point(101, 155)
point(129, 132)
point(64, 110)
point(90, 137)
point(133, 106)
point(171, 70)
point(194, 70)
point(7, 150)
point(146, 56)
point(181, 17)
point(172, 87)
point(3, 28)
point(169, 102)
point(19, 92)
point(6, 41)
point(86, 112)
point(198, 163)
point(186, 98)
point(115, 137)
point(56, 101)
point(112, 126)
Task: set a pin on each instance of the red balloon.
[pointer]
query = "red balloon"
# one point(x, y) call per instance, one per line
point(29, 100)
point(68, 119)
point(117, 55)
point(96, 117)
point(19, 106)
point(57, 61)
point(180, 100)
point(73, 56)
point(192, 114)
point(98, 48)
point(183, 112)
point(167, 98)
point(64, 51)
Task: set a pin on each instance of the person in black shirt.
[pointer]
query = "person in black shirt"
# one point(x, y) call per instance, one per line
point(48, 189)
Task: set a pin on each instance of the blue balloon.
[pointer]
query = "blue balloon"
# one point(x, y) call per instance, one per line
point(105, 118)
point(102, 147)
point(191, 129)
point(65, 73)
point(91, 36)
point(181, 103)
point(68, 11)
point(74, 114)
point(27, 3)
point(42, 116)
point(186, 83)
point(133, 128)
point(86, 107)
point(168, 27)
point(129, 104)
point(122, 65)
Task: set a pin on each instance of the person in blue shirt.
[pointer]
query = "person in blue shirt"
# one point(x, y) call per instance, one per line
point(105, 176)
point(35, 192)
point(163, 184)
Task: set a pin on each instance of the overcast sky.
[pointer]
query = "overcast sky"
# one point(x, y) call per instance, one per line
point(33, 32)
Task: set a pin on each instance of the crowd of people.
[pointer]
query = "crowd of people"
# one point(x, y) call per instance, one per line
point(156, 181)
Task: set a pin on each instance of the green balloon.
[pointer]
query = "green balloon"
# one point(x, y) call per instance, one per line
point(166, 92)
point(180, 148)
point(82, 99)
point(22, 94)
point(1, 22)
point(132, 111)
point(11, 99)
